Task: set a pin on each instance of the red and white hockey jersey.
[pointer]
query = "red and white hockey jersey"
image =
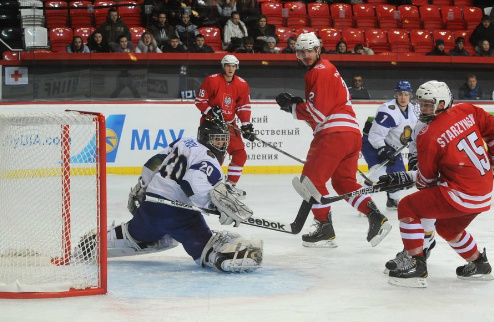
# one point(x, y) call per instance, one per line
point(233, 97)
point(327, 107)
point(451, 153)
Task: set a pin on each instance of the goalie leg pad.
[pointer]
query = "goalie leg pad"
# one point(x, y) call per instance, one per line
point(128, 246)
point(228, 205)
point(229, 252)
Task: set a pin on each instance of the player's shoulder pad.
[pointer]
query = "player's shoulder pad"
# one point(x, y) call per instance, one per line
point(210, 169)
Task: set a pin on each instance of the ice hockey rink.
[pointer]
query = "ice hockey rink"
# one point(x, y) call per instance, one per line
point(295, 284)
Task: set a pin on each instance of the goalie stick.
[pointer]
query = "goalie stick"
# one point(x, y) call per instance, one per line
point(293, 228)
point(309, 192)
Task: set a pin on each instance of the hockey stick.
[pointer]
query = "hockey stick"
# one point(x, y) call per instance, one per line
point(309, 192)
point(366, 177)
point(293, 228)
point(270, 145)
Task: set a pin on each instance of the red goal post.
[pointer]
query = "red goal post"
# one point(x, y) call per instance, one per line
point(53, 192)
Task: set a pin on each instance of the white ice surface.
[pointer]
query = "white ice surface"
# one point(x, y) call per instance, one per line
point(296, 283)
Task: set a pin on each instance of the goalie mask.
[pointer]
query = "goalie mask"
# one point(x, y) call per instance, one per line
point(214, 134)
point(429, 96)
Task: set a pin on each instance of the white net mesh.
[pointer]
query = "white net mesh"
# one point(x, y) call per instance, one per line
point(49, 192)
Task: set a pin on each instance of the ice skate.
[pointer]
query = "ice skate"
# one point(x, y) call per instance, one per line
point(87, 247)
point(391, 204)
point(379, 227)
point(401, 260)
point(322, 237)
point(478, 270)
point(413, 274)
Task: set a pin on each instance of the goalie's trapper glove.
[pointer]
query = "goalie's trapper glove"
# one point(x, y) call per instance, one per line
point(286, 101)
point(248, 132)
point(387, 153)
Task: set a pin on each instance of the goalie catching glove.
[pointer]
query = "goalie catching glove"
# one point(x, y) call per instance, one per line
point(400, 177)
point(136, 196)
point(286, 101)
point(231, 209)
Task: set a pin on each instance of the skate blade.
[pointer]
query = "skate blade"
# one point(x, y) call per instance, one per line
point(391, 208)
point(321, 244)
point(479, 277)
point(416, 282)
point(383, 232)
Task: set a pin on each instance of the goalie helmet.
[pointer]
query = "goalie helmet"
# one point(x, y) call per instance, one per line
point(230, 59)
point(214, 134)
point(429, 95)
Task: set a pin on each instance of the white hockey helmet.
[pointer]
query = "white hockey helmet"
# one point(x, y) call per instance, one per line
point(307, 41)
point(230, 59)
point(433, 93)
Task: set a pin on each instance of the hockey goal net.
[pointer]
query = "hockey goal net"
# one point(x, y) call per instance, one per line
point(52, 196)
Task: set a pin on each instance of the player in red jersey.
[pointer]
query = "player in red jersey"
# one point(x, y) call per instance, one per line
point(229, 95)
point(454, 179)
point(335, 149)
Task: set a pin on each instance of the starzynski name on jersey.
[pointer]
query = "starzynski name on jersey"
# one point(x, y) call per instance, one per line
point(455, 130)
point(391, 126)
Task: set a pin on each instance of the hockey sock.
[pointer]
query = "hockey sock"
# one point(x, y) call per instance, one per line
point(466, 247)
point(412, 235)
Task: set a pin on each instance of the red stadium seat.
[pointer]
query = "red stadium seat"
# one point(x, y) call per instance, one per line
point(130, 12)
point(472, 16)
point(441, 2)
point(421, 41)
point(387, 16)
point(452, 18)
point(273, 12)
point(466, 34)
point(283, 34)
point(409, 17)
point(56, 17)
point(364, 15)
point(79, 15)
point(462, 3)
point(296, 14)
point(431, 17)
point(330, 37)
point(341, 13)
point(377, 2)
point(352, 36)
point(447, 36)
point(60, 38)
point(399, 40)
point(301, 30)
point(212, 37)
point(319, 16)
point(84, 32)
point(136, 33)
point(101, 9)
point(377, 40)
point(419, 3)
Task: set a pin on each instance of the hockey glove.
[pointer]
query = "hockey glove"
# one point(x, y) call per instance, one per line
point(400, 177)
point(248, 132)
point(136, 197)
point(412, 163)
point(215, 112)
point(387, 153)
point(286, 101)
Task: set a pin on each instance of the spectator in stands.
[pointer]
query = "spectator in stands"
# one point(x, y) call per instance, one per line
point(233, 33)
point(200, 46)
point(206, 13)
point(113, 27)
point(290, 46)
point(123, 45)
point(459, 49)
point(77, 46)
point(173, 46)
point(225, 9)
point(438, 49)
point(247, 47)
point(97, 44)
point(341, 48)
point(361, 50)
point(161, 29)
point(175, 10)
point(270, 47)
point(249, 12)
point(324, 50)
point(186, 31)
point(261, 31)
point(471, 89)
point(150, 10)
point(485, 49)
point(357, 91)
point(483, 31)
point(147, 44)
